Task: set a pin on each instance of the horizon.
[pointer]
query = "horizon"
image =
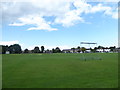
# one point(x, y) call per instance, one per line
point(88, 46)
point(63, 23)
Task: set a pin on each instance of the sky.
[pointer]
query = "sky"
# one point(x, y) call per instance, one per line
point(58, 23)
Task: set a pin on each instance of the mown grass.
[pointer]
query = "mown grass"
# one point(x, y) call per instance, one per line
point(60, 71)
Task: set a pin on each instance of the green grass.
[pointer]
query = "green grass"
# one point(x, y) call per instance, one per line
point(60, 71)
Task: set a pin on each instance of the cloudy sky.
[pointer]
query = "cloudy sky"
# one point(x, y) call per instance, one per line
point(62, 23)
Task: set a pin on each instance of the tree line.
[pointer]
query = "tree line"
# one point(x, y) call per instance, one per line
point(84, 50)
point(16, 49)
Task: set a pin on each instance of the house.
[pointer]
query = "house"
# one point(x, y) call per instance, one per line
point(118, 49)
point(67, 51)
point(70, 50)
point(103, 50)
point(7, 52)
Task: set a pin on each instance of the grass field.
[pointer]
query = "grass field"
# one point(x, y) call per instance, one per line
point(60, 71)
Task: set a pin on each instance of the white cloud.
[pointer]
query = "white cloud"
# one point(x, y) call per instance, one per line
point(43, 28)
point(69, 18)
point(32, 13)
point(9, 42)
point(57, 0)
point(99, 8)
point(17, 24)
point(113, 13)
point(102, 0)
point(106, 9)
point(38, 22)
point(40, 8)
point(83, 7)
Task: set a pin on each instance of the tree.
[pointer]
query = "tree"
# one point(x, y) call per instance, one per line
point(16, 48)
point(4, 49)
point(73, 49)
point(91, 50)
point(78, 49)
point(26, 51)
point(36, 50)
point(53, 50)
point(101, 47)
point(95, 49)
point(11, 49)
point(32, 51)
point(42, 49)
point(83, 49)
point(48, 51)
point(112, 49)
point(57, 50)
